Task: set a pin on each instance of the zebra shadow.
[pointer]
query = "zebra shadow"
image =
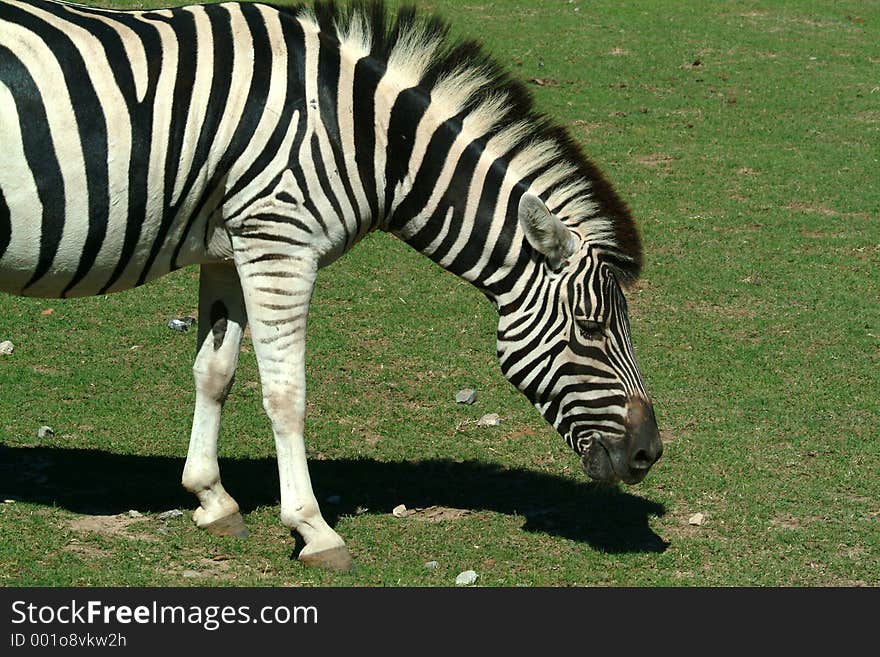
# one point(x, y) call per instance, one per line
point(102, 483)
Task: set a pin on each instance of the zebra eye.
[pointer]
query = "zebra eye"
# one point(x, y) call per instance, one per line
point(589, 329)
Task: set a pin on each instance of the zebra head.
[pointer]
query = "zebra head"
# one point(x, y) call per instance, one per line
point(565, 343)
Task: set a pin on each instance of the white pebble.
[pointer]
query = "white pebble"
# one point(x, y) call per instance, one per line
point(696, 519)
point(489, 420)
point(431, 565)
point(399, 511)
point(466, 396)
point(173, 513)
point(466, 578)
point(135, 514)
point(45, 432)
point(6, 347)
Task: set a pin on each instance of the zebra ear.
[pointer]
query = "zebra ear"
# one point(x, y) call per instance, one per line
point(545, 232)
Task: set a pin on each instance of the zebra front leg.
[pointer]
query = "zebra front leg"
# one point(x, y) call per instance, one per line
point(222, 319)
point(277, 280)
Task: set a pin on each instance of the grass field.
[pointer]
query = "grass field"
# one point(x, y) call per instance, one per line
point(746, 138)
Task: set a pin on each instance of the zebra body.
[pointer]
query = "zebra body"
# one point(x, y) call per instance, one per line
point(262, 143)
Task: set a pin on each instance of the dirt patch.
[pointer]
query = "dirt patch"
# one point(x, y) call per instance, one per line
point(654, 160)
point(84, 550)
point(825, 211)
point(115, 526)
point(869, 116)
point(589, 127)
point(791, 522)
point(436, 513)
point(799, 206)
point(217, 567)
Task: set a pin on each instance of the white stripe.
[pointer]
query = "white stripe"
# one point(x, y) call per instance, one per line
point(348, 58)
point(136, 56)
point(201, 93)
point(20, 193)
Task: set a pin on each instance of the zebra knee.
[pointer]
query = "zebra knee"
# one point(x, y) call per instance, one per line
point(213, 381)
point(283, 405)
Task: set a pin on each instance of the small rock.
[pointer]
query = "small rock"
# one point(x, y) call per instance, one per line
point(191, 574)
point(6, 347)
point(431, 565)
point(466, 578)
point(45, 432)
point(334, 499)
point(696, 519)
point(466, 396)
point(181, 324)
point(400, 511)
point(135, 514)
point(167, 515)
point(8, 501)
point(489, 420)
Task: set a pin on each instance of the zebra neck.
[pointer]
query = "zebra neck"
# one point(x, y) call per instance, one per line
point(455, 202)
point(471, 246)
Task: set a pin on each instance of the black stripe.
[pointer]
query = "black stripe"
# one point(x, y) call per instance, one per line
point(328, 99)
point(473, 249)
point(141, 114)
point(39, 152)
point(408, 110)
point(267, 257)
point(273, 218)
point(317, 159)
point(184, 25)
point(274, 237)
point(546, 360)
point(281, 322)
point(5, 225)
point(367, 73)
point(282, 306)
point(424, 184)
point(456, 197)
point(274, 274)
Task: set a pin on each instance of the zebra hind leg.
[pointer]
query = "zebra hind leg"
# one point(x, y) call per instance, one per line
point(222, 319)
point(277, 280)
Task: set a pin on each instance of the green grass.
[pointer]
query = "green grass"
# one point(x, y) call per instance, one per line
point(744, 136)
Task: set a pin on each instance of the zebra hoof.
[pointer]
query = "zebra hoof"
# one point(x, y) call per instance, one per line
point(337, 558)
point(231, 525)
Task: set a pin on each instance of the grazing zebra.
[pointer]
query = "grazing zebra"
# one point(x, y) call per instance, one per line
point(261, 143)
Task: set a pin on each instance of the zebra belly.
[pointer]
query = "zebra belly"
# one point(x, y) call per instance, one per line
point(54, 252)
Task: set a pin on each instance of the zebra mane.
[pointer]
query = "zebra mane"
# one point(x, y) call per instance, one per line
point(498, 110)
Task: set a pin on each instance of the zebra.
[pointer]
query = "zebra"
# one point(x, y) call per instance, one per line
point(263, 142)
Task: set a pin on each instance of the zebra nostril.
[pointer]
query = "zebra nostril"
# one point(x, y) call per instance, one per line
point(641, 460)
